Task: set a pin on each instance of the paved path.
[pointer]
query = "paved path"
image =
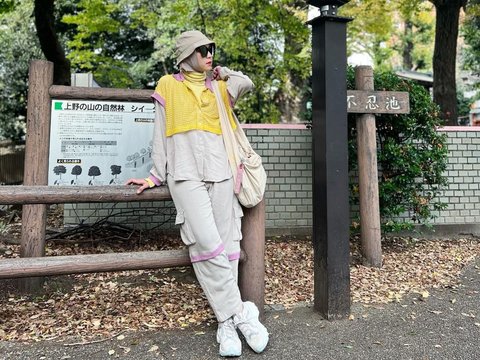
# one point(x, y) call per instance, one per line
point(446, 325)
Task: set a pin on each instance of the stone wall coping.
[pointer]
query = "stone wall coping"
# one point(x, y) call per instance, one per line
point(459, 128)
point(275, 126)
point(304, 127)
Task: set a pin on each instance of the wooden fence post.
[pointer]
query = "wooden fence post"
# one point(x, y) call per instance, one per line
point(370, 232)
point(251, 276)
point(34, 217)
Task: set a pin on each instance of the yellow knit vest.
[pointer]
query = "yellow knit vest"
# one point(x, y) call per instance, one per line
point(184, 112)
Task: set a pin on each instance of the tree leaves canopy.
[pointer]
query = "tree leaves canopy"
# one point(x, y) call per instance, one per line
point(6, 6)
point(130, 44)
point(380, 29)
point(471, 33)
point(19, 46)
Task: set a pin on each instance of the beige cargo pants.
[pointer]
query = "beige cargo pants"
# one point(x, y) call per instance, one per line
point(209, 216)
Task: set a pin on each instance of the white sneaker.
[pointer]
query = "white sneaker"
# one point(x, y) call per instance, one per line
point(247, 322)
point(227, 337)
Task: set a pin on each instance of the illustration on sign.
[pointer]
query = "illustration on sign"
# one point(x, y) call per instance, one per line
point(99, 142)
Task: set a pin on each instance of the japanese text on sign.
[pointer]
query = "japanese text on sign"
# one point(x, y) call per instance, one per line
point(377, 102)
point(99, 142)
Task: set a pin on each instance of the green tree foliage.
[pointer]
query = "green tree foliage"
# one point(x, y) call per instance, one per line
point(395, 34)
point(108, 42)
point(412, 156)
point(471, 34)
point(130, 44)
point(19, 46)
point(6, 6)
point(371, 29)
point(418, 32)
point(274, 51)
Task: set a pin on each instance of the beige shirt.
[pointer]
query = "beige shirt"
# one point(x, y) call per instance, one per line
point(194, 155)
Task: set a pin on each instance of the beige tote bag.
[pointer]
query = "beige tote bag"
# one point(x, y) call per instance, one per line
point(247, 169)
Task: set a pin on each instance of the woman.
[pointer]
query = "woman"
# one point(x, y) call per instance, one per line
point(189, 155)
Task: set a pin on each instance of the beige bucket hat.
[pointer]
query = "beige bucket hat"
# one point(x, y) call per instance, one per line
point(187, 42)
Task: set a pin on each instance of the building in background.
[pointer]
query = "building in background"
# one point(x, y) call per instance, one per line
point(475, 113)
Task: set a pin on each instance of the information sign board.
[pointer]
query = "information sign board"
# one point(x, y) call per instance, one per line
point(99, 142)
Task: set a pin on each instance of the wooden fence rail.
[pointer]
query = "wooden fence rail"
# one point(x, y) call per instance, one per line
point(43, 194)
point(86, 93)
point(79, 264)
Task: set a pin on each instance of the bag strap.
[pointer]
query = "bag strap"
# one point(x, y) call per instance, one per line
point(233, 140)
point(222, 111)
point(238, 135)
point(228, 135)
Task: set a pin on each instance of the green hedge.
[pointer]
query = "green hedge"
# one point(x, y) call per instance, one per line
point(412, 156)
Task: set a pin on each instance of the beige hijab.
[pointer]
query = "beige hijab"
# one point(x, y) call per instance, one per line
point(185, 47)
point(191, 64)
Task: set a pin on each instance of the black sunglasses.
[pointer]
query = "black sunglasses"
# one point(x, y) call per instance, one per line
point(205, 49)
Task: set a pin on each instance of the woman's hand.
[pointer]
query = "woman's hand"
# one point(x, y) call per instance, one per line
point(142, 182)
point(216, 73)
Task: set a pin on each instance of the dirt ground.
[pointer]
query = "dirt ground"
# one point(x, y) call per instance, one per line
point(92, 306)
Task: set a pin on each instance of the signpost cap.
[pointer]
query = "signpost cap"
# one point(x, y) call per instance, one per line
point(321, 3)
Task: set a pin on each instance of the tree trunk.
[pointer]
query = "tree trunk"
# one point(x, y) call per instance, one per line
point(444, 57)
point(51, 47)
point(408, 46)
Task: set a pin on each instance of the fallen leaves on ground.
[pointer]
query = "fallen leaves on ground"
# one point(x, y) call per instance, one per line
point(410, 266)
point(92, 306)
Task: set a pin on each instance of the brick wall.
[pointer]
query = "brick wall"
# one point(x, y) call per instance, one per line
point(463, 171)
point(286, 152)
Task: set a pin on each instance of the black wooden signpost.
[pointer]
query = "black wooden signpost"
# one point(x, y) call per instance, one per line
point(330, 162)
point(330, 158)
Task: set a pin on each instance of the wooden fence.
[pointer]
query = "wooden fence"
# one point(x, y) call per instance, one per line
point(35, 194)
